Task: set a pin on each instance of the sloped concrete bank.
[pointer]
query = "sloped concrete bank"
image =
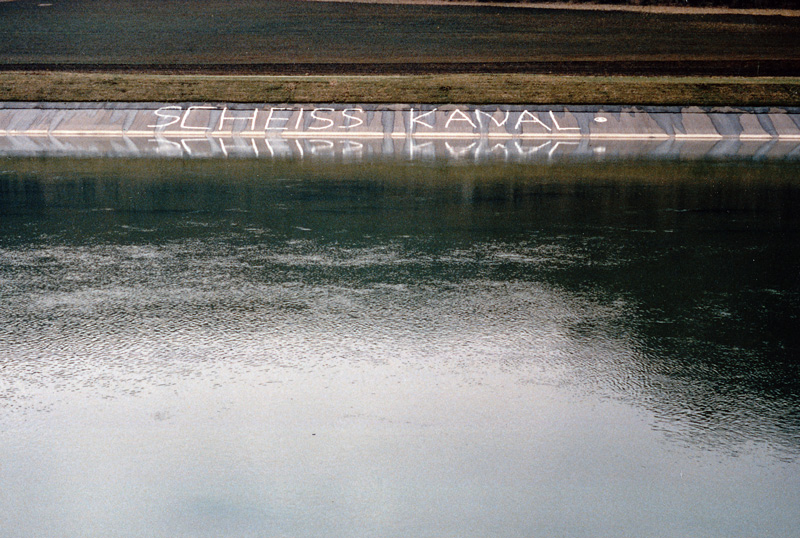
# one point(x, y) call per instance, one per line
point(404, 130)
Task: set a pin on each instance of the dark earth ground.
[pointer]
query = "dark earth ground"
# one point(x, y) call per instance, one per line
point(735, 4)
point(293, 37)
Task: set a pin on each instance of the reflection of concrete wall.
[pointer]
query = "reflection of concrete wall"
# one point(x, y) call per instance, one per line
point(356, 149)
point(407, 131)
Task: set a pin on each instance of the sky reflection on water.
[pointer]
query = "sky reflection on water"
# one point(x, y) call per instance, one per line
point(222, 350)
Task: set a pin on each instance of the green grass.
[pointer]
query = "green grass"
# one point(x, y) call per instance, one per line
point(514, 88)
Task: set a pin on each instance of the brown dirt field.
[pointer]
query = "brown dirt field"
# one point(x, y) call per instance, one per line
point(664, 10)
point(295, 37)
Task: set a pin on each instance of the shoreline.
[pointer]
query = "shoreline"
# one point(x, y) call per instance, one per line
point(351, 132)
point(661, 10)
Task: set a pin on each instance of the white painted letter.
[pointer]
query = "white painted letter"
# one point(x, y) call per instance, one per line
point(346, 115)
point(252, 119)
point(533, 119)
point(189, 111)
point(418, 119)
point(270, 117)
point(463, 117)
point(314, 115)
point(175, 118)
point(491, 117)
point(559, 128)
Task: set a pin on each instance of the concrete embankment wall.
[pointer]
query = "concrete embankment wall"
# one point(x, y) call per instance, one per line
point(297, 130)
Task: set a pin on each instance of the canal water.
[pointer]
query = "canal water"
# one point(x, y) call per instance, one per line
point(243, 348)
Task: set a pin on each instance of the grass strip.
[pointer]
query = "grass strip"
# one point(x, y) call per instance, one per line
point(434, 89)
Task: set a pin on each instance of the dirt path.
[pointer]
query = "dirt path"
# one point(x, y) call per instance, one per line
point(669, 10)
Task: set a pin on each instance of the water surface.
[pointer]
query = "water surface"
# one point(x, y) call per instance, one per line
point(250, 348)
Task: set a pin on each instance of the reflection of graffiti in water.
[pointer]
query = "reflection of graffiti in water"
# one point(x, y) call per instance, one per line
point(412, 148)
point(423, 120)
